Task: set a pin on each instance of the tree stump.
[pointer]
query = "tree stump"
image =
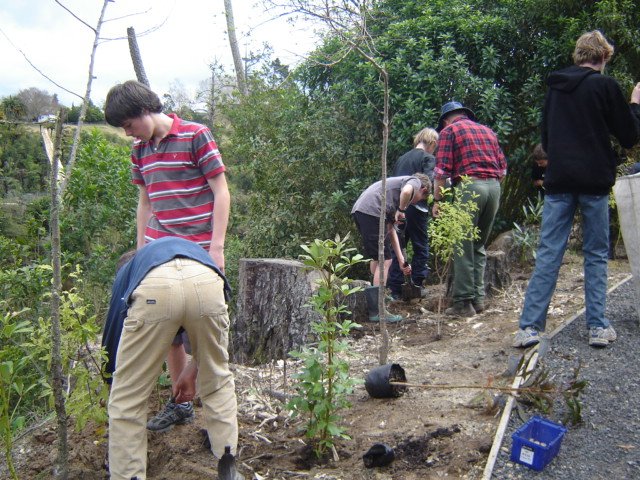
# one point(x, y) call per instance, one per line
point(272, 316)
point(357, 302)
point(272, 313)
point(496, 272)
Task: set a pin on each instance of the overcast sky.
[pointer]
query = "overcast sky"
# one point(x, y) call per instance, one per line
point(191, 34)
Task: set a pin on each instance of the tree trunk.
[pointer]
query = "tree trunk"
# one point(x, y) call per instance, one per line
point(85, 103)
point(272, 313)
point(57, 377)
point(136, 58)
point(235, 50)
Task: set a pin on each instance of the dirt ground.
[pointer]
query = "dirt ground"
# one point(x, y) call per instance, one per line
point(435, 433)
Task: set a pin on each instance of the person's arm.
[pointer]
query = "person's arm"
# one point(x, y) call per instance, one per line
point(184, 389)
point(143, 214)
point(395, 244)
point(406, 195)
point(438, 185)
point(222, 205)
point(635, 94)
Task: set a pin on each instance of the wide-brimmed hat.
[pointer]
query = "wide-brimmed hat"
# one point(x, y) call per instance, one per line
point(447, 108)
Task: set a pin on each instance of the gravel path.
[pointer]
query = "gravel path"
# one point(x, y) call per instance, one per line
point(607, 444)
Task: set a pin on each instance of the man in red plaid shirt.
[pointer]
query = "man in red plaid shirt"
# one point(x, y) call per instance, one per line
point(466, 148)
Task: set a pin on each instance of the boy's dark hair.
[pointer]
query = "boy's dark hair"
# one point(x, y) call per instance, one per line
point(128, 100)
point(539, 153)
point(124, 259)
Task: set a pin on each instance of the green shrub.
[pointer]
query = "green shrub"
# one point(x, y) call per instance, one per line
point(324, 384)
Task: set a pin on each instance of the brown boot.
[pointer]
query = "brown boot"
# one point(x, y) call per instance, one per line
point(461, 309)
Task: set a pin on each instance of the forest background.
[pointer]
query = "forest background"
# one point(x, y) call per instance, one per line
point(300, 147)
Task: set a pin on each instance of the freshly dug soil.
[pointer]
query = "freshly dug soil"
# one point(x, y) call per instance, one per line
point(435, 433)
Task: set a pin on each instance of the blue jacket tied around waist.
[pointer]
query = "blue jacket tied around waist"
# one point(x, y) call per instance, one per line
point(129, 277)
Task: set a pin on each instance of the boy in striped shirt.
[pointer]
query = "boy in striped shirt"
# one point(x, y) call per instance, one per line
point(179, 171)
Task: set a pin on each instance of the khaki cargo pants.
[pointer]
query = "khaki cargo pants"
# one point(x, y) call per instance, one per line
point(181, 292)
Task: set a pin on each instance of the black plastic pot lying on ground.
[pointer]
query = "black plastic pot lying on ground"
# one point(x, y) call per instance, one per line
point(379, 455)
point(377, 381)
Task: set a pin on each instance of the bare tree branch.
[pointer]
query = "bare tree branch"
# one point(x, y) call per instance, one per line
point(85, 103)
point(37, 69)
point(76, 17)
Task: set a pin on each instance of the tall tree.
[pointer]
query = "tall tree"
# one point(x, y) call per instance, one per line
point(57, 377)
point(235, 49)
point(348, 22)
point(62, 462)
point(37, 102)
point(87, 95)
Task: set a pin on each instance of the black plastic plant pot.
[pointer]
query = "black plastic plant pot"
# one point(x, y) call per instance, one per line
point(379, 455)
point(377, 381)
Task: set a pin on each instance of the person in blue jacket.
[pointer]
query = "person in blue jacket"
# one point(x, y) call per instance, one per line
point(169, 284)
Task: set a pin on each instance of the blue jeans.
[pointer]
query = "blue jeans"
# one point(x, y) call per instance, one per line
point(557, 218)
point(416, 232)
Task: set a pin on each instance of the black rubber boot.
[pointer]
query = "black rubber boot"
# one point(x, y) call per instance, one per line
point(372, 307)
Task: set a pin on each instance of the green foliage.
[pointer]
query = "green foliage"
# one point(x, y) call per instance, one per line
point(13, 389)
point(527, 236)
point(453, 226)
point(450, 229)
point(296, 168)
point(83, 357)
point(27, 345)
point(324, 384)
point(454, 223)
point(539, 390)
point(98, 217)
point(12, 108)
point(23, 163)
point(93, 115)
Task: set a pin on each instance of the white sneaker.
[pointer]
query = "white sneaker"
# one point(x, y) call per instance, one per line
point(526, 338)
point(601, 337)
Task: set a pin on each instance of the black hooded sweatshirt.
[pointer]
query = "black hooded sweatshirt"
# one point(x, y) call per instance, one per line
point(582, 109)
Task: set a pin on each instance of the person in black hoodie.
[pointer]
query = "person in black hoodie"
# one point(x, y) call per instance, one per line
point(583, 108)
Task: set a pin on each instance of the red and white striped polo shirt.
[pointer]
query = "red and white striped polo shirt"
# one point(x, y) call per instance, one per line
point(175, 174)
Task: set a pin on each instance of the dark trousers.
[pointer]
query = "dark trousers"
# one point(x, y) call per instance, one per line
point(416, 232)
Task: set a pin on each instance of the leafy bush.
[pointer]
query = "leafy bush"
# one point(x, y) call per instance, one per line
point(527, 236)
point(98, 217)
point(324, 383)
point(450, 229)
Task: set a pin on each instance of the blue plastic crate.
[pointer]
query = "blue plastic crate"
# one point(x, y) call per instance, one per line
point(536, 442)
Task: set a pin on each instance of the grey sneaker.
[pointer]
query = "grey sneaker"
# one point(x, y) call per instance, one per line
point(601, 337)
point(526, 338)
point(173, 414)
